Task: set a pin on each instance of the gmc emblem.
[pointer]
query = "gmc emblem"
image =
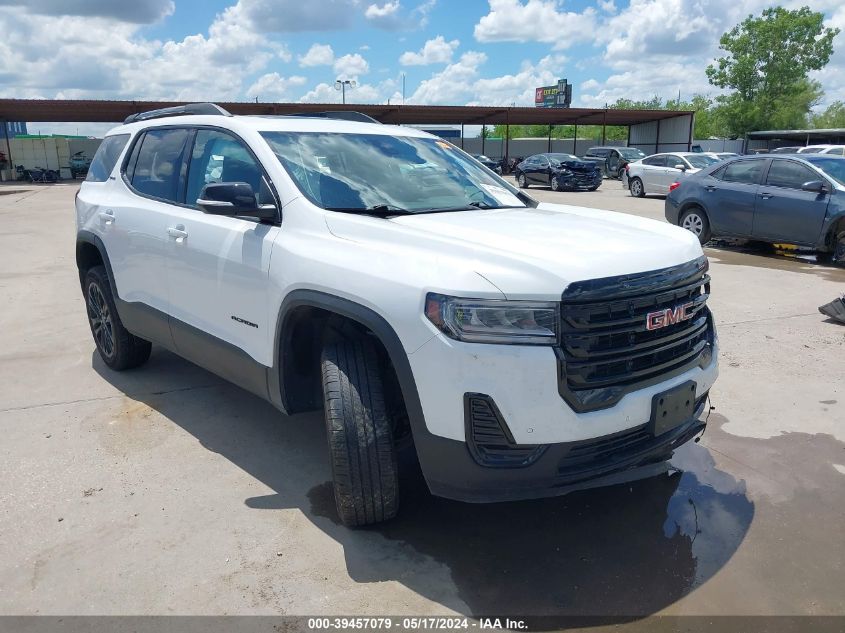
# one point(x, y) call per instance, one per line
point(669, 316)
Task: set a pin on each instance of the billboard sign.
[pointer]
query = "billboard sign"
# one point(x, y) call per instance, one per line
point(558, 96)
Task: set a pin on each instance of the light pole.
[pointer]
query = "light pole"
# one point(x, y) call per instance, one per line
point(341, 84)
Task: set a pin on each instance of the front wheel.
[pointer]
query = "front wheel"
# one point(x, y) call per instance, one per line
point(361, 445)
point(555, 184)
point(521, 181)
point(839, 249)
point(695, 221)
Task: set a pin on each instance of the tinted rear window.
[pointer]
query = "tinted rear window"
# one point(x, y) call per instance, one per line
point(160, 162)
point(106, 157)
point(743, 171)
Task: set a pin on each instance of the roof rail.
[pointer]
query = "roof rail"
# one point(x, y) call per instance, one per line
point(344, 115)
point(188, 108)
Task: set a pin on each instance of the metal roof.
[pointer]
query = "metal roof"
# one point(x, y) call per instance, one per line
point(87, 110)
point(797, 134)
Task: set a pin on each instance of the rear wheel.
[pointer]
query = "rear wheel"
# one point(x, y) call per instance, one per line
point(695, 221)
point(636, 187)
point(521, 181)
point(361, 443)
point(118, 348)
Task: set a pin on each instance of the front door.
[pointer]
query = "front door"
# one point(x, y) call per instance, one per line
point(786, 212)
point(218, 275)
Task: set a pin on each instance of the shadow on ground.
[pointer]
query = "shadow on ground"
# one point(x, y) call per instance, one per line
point(630, 550)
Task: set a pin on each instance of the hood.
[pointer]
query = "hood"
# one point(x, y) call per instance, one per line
point(533, 252)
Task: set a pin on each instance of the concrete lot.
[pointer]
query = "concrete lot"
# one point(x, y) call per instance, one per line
point(166, 491)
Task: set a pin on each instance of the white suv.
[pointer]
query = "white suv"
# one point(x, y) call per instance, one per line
point(425, 304)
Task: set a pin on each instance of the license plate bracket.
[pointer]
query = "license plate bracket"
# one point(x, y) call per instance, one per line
point(672, 408)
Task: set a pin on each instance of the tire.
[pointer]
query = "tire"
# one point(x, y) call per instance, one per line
point(118, 348)
point(838, 256)
point(619, 173)
point(593, 188)
point(361, 446)
point(555, 185)
point(636, 187)
point(521, 181)
point(695, 220)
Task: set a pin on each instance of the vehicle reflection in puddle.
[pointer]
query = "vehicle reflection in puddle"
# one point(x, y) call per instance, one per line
point(773, 256)
point(630, 549)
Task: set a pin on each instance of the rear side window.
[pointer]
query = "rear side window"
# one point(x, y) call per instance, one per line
point(786, 173)
point(599, 152)
point(106, 157)
point(743, 171)
point(655, 161)
point(159, 165)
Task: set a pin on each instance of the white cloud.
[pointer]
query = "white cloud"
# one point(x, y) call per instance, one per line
point(273, 87)
point(453, 84)
point(362, 93)
point(608, 6)
point(537, 20)
point(318, 55)
point(385, 16)
point(436, 51)
point(351, 66)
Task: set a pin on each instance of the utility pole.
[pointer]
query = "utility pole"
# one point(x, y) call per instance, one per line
point(340, 84)
point(403, 88)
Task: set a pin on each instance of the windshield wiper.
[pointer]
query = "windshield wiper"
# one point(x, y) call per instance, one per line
point(377, 210)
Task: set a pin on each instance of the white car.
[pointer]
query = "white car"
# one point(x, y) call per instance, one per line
point(656, 173)
point(836, 150)
point(522, 349)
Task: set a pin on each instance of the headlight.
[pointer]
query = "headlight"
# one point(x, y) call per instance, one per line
point(494, 321)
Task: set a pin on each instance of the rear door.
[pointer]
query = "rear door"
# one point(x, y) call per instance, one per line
point(141, 213)
point(730, 196)
point(219, 266)
point(652, 174)
point(786, 212)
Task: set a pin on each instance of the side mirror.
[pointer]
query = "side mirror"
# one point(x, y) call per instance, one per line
point(816, 186)
point(681, 167)
point(233, 198)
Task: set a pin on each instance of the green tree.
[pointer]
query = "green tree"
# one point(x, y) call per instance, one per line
point(767, 65)
point(832, 117)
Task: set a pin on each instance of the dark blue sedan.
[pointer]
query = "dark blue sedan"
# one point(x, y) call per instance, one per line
point(796, 199)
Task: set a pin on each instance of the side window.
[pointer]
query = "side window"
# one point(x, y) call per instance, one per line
point(220, 157)
point(106, 157)
point(655, 161)
point(600, 152)
point(542, 161)
point(129, 171)
point(672, 160)
point(719, 174)
point(786, 173)
point(159, 164)
point(837, 151)
point(743, 171)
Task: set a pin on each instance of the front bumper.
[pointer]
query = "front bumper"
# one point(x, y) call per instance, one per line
point(577, 180)
point(452, 472)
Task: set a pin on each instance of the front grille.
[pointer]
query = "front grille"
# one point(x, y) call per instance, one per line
point(489, 440)
point(605, 348)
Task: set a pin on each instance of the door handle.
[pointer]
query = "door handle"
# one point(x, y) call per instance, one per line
point(710, 188)
point(107, 217)
point(765, 195)
point(177, 232)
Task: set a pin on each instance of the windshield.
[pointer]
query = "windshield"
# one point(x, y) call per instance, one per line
point(369, 172)
point(700, 161)
point(557, 159)
point(833, 167)
point(631, 153)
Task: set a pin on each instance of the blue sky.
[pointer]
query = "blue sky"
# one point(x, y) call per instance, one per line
point(491, 52)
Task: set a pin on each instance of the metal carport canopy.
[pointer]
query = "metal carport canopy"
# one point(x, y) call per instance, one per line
point(86, 110)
